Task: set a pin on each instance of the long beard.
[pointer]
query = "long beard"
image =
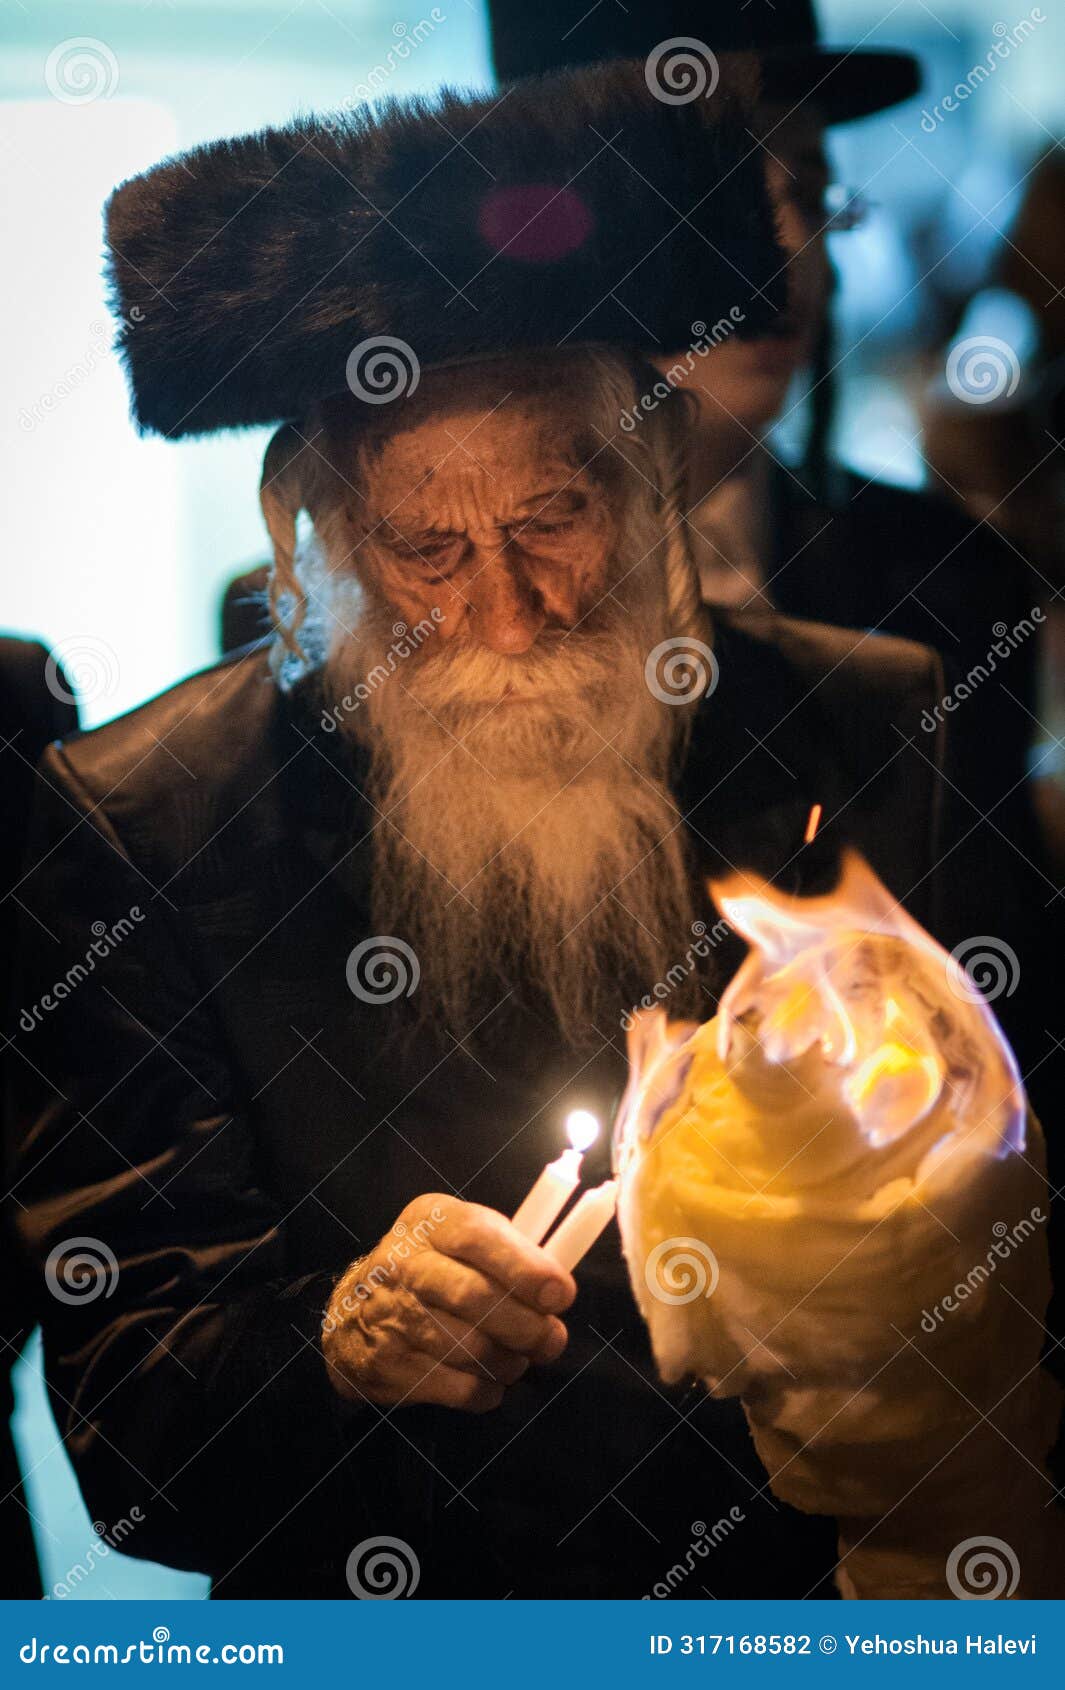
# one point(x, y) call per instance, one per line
point(527, 842)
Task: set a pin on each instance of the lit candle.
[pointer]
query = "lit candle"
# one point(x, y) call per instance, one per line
point(574, 1236)
point(559, 1179)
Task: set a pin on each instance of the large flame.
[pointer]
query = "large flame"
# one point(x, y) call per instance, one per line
point(851, 977)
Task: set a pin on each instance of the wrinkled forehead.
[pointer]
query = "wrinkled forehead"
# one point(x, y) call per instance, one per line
point(506, 441)
point(511, 440)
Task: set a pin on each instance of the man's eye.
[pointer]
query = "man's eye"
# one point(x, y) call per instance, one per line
point(562, 527)
point(425, 551)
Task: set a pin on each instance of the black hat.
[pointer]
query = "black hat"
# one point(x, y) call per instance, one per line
point(533, 36)
point(247, 274)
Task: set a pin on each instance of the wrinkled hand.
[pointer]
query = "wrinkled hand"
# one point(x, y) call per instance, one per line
point(451, 1307)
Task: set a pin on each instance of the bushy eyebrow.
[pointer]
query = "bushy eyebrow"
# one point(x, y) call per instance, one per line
point(563, 498)
point(420, 536)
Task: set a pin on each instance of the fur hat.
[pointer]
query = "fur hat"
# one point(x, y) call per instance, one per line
point(255, 276)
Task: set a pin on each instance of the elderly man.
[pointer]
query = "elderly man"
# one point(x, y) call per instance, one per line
point(389, 885)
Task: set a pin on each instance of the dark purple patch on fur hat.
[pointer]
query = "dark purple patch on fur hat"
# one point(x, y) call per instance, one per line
point(538, 223)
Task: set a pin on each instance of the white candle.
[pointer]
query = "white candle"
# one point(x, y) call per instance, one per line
point(574, 1236)
point(559, 1180)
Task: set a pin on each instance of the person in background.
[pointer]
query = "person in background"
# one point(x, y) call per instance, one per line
point(36, 707)
point(1001, 458)
point(993, 437)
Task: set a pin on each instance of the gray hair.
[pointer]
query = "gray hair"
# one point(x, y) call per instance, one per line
point(311, 470)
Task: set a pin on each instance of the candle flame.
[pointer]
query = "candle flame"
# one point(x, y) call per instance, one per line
point(582, 1128)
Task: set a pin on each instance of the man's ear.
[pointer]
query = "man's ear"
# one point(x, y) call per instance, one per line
point(281, 495)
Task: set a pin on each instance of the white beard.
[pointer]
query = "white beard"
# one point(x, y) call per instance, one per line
point(530, 847)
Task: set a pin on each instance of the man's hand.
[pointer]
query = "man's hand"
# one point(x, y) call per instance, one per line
point(450, 1308)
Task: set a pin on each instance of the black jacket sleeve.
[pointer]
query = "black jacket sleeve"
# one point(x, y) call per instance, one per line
point(183, 1355)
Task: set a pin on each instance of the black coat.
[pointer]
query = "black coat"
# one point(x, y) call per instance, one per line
point(32, 711)
point(213, 1104)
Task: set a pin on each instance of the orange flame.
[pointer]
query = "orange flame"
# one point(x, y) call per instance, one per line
point(849, 974)
point(659, 1059)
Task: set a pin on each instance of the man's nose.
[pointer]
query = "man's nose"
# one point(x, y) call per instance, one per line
point(506, 612)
